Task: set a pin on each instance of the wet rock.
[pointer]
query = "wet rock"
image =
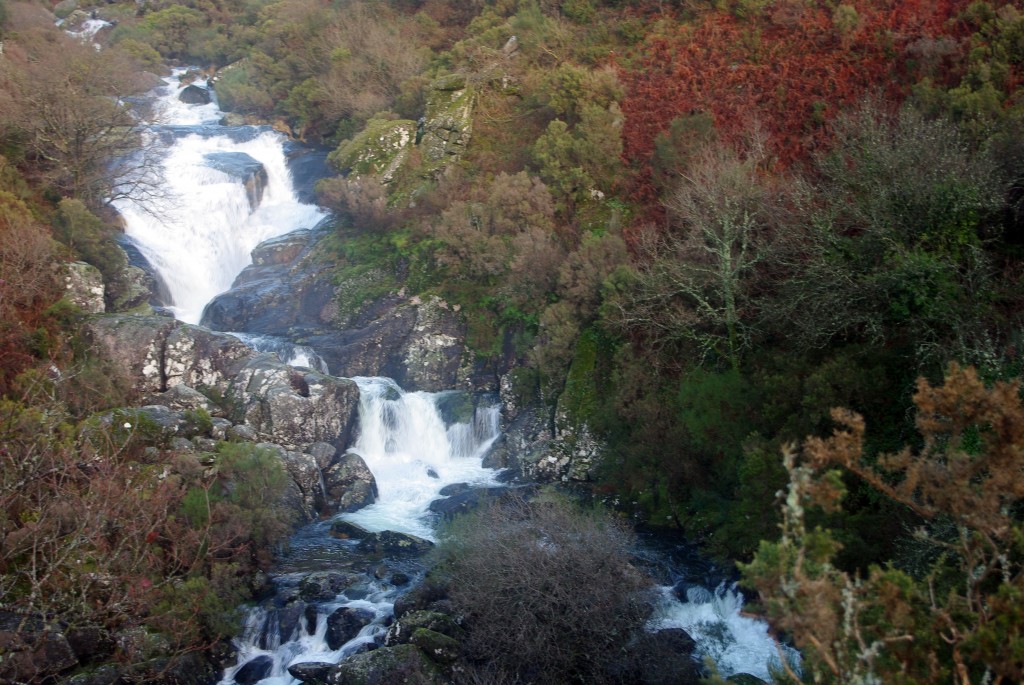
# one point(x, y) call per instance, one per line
point(312, 672)
point(464, 501)
point(399, 664)
point(344, 530)
point(744, 679)
point(241, 167)
point(422, 597)
point(254, 670)
point(349, 484)
point(194, 95)
point(393, 543)
point(310, 616)
point(324, 585)
point(344, 624)
point(398, 579)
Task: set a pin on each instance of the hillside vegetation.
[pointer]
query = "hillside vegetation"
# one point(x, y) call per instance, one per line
point(696, 227)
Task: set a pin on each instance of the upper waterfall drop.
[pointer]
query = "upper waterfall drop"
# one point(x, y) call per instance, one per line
point(199, 235)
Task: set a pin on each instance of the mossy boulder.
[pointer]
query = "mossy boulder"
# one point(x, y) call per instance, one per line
point(379, 150)
point(448, 122)
point(400, 664)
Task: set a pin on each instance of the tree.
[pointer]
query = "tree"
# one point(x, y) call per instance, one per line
point(954, 615)
point(693, 280)
point(64, 104)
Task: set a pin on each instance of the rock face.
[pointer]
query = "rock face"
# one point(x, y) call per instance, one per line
point(305, 417)
point(448, 122)
point(84, 285)
point(379, 150)
point(242, 167)
point(399, 664)
point(289, 291)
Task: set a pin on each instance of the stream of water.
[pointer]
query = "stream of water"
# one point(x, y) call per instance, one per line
point(198, 239)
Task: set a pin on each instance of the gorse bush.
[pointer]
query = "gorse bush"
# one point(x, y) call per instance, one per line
point(546, 590)
point(955, 614)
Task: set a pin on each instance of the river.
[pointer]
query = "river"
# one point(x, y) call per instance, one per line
point(227, 190)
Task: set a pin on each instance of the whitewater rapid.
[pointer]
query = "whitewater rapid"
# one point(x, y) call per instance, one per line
point(199, 233)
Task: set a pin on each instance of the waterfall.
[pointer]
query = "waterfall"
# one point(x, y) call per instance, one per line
point(414, 455)
point(199, 234)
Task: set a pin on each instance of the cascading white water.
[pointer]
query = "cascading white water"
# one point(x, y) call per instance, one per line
point(413, 455)
point(734, 642)
point(287, 352)
point(200, 234)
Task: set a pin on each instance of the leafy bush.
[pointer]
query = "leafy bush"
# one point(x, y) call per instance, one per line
point(547, 590)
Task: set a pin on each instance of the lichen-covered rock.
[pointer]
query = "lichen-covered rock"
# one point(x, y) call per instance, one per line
point(379, 150)
point(349, 484)
point(306, 475)
point(437, 646)
point(182, 398)
point(134, 288)
point(403, 629)
point(83, 284)
point(400, 664)
point(159, 353)
point(292, 408)
point(199, 358)
point(448, 123)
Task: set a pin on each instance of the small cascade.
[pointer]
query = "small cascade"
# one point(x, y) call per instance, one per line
point(199, 235)
point(714, 619)
point(414, 455)
point(287, 352)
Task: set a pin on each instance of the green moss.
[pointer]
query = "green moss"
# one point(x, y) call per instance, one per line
point(379, 149)
point(579, 399)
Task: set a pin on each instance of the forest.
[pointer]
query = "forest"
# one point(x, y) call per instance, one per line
point(768, 252)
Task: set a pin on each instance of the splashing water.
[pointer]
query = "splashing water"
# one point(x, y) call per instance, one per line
point(413, 454)
point(199, 235)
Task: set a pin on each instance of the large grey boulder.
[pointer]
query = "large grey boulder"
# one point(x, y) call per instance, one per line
point(349, 484)
point(344, 624)
point(294, 407)
point(194, 95)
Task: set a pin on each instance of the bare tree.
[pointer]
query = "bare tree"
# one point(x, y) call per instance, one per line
point(65, 106)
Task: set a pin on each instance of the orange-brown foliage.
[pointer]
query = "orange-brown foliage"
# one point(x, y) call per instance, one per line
point(789, 71)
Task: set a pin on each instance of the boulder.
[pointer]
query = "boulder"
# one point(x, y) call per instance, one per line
point(241, 167)
point(311, 672)
point(306, 475)
point(83, 284)
point(325, 585)
point(344, 624)
point(183, 398)
point(254, 670)
point(33, 650)
point(292, 407)
point(343, 530)
point(403, 629)
point(437, 646)
point(349, 484)
point(392, 543)
point(399, 664)
point(323, 452)
point(194, 95)
point(464, 501)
